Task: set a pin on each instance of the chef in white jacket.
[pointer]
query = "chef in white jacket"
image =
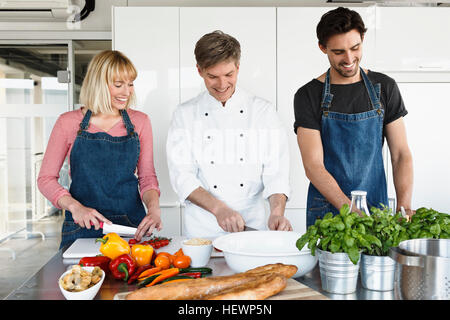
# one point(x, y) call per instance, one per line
point(227, 150)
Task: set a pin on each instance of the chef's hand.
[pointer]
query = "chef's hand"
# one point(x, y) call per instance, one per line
point(229, 219)
point(151, 222)
point(279, 223)
point(85, 217)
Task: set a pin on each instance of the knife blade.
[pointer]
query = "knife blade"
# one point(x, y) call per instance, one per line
point(117, 228)
point(247, 228)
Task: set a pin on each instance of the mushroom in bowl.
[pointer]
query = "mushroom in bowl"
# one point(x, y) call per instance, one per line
point(81, 283)
point(250, 249)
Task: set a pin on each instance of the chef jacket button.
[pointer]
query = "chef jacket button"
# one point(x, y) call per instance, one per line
point(242, 159)
point(209, 137)
point(206, 114)
point(215, 187)
point(241, 135)
point(242, 111)
point(212, 162)
point(242, 184)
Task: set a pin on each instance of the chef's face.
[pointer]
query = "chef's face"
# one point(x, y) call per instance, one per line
point(121, 91)
point(220, 79)
point(344, 52)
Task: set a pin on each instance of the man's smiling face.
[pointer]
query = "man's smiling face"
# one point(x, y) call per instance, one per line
point(344, 52)
point(220, 79)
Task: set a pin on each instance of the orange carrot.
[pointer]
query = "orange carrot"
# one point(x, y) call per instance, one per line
point(177, 280)
point(148, 272)
point(164, 275)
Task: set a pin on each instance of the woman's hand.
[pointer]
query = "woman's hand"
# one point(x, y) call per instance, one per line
point(83, 216)
point(151, 221)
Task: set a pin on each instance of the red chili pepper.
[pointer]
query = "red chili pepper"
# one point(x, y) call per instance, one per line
point(97, 261)
point(138, 272)
point(192, 274)
point(122, 267)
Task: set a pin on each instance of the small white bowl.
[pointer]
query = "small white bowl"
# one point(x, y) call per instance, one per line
point(199, 254)
point(250, 249)
point(87, 294)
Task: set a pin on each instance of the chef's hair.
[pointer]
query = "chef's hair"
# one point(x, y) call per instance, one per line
point(105, 68)
point(338, 21)
point(216, 47)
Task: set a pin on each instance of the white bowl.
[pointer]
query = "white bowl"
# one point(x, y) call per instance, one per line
point(87, 294)
point(199, 254)
point(250, 249)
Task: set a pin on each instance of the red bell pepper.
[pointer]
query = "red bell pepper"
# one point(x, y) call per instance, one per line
point(122, 267)
point(97, 261)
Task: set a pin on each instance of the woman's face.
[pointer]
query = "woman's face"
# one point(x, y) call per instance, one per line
point(121, 91)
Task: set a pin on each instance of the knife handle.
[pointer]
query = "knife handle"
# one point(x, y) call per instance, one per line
point(101, 224)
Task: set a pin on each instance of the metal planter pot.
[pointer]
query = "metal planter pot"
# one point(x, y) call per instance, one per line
point(423, 270)
point(377, 272)
point(338, 274)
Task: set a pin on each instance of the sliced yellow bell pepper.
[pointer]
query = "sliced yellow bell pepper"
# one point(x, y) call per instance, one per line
point(142, 254)
point(113, 245)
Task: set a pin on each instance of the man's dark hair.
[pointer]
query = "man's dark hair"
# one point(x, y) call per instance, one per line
point(337, 21)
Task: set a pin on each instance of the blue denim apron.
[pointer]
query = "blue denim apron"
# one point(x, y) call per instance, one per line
point(352, 148)
point(103, 177)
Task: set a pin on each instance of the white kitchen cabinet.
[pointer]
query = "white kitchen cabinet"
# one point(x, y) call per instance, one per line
point(299, 60)
point(156, 59)
point(412, 39)
point(427, 132)
point(254, 28)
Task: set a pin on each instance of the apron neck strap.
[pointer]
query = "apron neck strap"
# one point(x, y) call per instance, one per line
point(126, 120)
point(373, 91)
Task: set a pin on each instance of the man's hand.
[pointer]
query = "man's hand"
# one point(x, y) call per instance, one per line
point(229, 219)
point(279, 223)
point(277, 220)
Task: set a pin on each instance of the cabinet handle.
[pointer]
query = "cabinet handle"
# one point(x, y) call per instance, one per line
point(432, 67)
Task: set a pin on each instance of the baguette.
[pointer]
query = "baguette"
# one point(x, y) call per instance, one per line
point(263, 288)
point(202, 287)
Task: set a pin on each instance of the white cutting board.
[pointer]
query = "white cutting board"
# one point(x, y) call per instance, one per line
point(87, 247)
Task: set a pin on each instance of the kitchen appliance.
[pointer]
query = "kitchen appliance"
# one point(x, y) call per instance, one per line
point(423, 269)
point(250, 249)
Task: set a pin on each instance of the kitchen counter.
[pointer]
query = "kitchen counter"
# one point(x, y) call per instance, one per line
point(44, 284)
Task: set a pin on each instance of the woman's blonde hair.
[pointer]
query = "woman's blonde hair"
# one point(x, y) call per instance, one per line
point(105, 68)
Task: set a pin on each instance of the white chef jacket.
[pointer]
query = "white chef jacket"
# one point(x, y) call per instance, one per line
point(239, 153)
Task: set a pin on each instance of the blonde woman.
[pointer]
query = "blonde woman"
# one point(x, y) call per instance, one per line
point(106, 142)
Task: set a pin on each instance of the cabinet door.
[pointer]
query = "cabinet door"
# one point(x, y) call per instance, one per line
point(254, 28)
point(427, 131)
point(299, 60)
point(156, 59)
point(412, 39)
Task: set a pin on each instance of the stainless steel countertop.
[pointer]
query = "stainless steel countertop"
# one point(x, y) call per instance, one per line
point(44, 284)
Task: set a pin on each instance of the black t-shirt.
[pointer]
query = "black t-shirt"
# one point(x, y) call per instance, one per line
point(347, 98)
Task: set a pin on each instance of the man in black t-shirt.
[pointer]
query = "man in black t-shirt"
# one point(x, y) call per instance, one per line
point(341, 119)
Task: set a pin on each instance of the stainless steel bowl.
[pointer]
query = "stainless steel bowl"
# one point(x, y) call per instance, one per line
point(423, 269)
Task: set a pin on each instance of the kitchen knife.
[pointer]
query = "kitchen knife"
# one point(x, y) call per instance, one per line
point(247, 228)
point(117, 228)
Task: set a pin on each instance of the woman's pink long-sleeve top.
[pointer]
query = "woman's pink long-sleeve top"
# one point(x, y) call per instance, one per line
point(60, 145)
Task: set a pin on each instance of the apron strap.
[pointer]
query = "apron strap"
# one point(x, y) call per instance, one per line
point(373, 91)
point(327, 96)
point(127, 122)
point(84, 124)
